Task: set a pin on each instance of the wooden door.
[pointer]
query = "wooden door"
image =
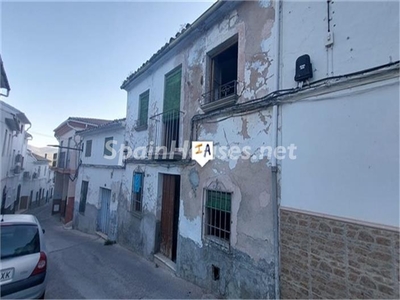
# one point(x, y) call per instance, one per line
point(167, 215)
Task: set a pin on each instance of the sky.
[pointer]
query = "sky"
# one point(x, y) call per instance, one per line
point(68, 59)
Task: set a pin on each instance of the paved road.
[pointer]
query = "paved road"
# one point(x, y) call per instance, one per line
point(81, 266)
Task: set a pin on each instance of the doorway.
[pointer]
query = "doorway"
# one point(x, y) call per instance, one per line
point(170, 215)
point(104, 212)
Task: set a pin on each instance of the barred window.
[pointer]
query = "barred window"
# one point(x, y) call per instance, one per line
point(137, 191)
point(218, 214)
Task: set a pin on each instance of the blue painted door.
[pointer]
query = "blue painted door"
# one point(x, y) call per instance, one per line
point(104, 212)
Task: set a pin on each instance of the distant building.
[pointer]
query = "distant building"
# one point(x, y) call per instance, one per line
point(68, 163)
point(37, 181)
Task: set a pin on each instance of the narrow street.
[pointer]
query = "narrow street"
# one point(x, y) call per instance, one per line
point(81, 266)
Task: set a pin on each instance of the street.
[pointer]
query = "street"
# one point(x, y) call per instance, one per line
point(81, 266)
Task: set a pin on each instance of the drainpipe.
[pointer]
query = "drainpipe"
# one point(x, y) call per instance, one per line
point(274, 168)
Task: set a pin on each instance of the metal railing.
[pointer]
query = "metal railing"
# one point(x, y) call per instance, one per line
point(220, 92)
point(166, 132)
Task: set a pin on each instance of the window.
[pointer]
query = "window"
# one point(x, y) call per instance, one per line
point(39, 171)
point(222, 76)
point(88, 149)
point(224, 73)
point(143, 110)
point(171, 109)
point(18, 240)
point(68, 152)
point(9, 144)
point(82, 201)
point(4, 143)
point(218, 215)
point(108, 145)
point(137, 191)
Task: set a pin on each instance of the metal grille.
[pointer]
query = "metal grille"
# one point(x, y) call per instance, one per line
point(167, 125)
point(220, 92)
point(218, 214)
point(137, 191)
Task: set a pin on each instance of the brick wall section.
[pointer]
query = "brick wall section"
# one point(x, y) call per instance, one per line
point(329, 258)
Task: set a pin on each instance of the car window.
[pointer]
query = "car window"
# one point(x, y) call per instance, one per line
point(17, 240)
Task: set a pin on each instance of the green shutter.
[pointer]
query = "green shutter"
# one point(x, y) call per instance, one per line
point(172, 95)
point(219, 200)
point(107, 152)
point(143, 108)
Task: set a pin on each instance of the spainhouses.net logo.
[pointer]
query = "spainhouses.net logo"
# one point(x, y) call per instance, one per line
point(200, 151)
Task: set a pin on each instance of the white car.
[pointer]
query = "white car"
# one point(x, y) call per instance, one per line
point(23, 258)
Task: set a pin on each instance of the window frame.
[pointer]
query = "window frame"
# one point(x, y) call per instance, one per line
point(225, 243)
point(88, 153)
point(142, 120)
point(137, 197)
point(4, 143)
point(105, 150)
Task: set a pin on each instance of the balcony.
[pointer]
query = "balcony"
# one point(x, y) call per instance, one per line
point(220, 96)
point(166, 136)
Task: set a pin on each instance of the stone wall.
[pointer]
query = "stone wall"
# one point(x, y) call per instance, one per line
point(331, 258)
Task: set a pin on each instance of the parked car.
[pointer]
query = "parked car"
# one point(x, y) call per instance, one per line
point(23, 257)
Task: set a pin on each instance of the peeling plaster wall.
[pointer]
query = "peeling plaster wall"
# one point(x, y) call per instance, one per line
point(247, 268)
point(139, 230)
point(98, 178)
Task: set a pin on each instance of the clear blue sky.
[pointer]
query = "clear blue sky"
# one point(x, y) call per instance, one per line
point(69, 58)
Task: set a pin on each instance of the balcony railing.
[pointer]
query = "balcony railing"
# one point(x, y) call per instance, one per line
point(220, 96)
point(166, 135)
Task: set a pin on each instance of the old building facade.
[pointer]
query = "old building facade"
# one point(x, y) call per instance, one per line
point(213, 225)
point(100, 178)
point(67, 165)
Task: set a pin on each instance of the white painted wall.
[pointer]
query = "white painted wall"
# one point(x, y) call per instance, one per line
point(98, 138)
point(14, 146)
point(365, 33)
point(348, 154)
point(44, 180)
point(98, 178)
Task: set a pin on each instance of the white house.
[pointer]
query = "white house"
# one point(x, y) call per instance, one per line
point(100, 178)
point(14, 137)
point(67, 165)
point(339, 198)
point(37, 181)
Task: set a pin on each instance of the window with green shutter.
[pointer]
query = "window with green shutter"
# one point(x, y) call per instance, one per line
point(108, 146)
point(172, 94)
point(143, 109)
point(218, 214)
